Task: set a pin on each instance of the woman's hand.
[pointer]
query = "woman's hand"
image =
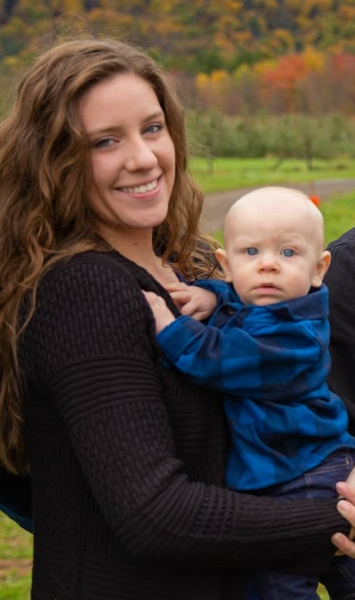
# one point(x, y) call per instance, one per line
point(346, 507)
point(162, 315)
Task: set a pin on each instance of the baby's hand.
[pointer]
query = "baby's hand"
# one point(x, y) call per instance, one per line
point(162, 315)
point(191, 300)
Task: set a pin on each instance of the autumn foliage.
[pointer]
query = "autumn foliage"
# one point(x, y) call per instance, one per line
point(242, 57)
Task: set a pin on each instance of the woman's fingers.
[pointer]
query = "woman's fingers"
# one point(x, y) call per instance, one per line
point(346, 507)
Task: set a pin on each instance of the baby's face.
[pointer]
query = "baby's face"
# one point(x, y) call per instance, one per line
point(274, 249)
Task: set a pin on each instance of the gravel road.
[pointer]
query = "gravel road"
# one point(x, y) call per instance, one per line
point(216, 205)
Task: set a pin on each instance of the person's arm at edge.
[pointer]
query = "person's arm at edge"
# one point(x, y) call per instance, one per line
point(340, 280)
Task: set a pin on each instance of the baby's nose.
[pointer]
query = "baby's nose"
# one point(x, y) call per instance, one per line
point(268, 262)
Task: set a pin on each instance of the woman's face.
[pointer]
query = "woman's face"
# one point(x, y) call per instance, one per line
point(132, 155)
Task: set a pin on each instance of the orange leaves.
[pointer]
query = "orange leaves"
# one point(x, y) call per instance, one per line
point(286, 73)
point(310, 82)
point(315, 199)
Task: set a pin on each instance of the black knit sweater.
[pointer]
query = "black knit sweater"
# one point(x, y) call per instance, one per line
point(340, 280)
point(127, 457)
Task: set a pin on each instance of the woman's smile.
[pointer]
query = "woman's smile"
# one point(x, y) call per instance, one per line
point(141, 189)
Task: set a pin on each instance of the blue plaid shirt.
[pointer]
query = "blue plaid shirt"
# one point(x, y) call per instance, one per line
point(271, 362)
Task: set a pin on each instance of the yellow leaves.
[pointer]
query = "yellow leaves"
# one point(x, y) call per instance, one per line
point(284, 83)
point(283, 40)
point(346, 13)
point(217, 90)
point(243, 38)
point(216, 80)
point(264, 66)
point(313, 59)
point(292, 5)
point(244, 72)
point(67, 6)
point(202, 81)
point(11, 63)
point(233, 6)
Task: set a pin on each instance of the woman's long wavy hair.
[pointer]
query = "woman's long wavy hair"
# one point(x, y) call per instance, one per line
point(45, 215)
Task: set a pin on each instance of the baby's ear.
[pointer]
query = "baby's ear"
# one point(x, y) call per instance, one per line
point(321, 268)
point(221, 256)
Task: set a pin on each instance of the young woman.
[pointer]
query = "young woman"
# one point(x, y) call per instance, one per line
point(126, 456)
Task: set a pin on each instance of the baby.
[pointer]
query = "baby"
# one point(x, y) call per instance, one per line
point(265, 346)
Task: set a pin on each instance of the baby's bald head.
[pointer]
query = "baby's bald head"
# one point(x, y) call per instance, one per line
point(274, 206)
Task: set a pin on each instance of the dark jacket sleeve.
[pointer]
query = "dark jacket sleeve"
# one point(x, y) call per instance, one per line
point(15, 498)
point(94, 350)
point(340, 280)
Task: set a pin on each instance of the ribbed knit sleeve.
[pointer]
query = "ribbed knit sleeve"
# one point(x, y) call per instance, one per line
point(91, 346)
point(340, 279)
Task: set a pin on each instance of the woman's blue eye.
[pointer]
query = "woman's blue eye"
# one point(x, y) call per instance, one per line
point(104, 143)
point(251, 251)
point(288, 252)
point(154, 128)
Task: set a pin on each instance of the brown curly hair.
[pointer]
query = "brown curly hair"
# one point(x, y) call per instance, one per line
point(44, 211)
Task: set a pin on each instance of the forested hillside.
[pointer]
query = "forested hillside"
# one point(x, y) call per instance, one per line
point(191, 35)
point(239, 57)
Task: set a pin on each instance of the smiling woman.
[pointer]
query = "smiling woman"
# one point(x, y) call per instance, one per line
point(132, 159)
point(126, 457)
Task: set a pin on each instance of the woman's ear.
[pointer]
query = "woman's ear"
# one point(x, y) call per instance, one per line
point(321, 268)
point(221, 256)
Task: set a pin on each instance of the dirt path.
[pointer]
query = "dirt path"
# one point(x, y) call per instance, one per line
point(217, 205)
point(19, 566)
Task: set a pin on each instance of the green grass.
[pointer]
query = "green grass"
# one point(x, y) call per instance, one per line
point(323, 593)
point(15, 587)
point(339, 215)
point(15, 555)
point(233, 173)
point(15, 542)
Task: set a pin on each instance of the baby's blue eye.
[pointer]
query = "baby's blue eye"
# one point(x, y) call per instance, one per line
point(288, 252)
point(251, 251)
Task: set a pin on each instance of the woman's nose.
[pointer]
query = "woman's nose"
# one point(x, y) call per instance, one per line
point(139, 155)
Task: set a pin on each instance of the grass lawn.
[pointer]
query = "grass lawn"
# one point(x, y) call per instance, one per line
point(233, 173)
point(15, 561)
point(339, 216)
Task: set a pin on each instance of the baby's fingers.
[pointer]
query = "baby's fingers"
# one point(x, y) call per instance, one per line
point(176, 287)
point(181, 296)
